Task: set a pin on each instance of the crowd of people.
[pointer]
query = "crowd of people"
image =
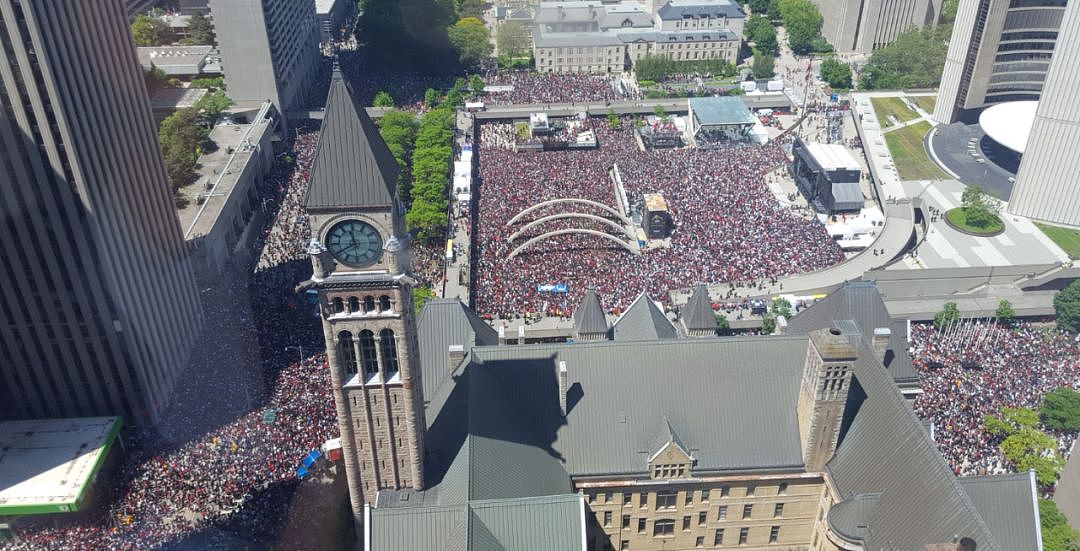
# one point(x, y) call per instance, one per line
point(728, 227)
point(221, 469)
point(547, 88)
point(976, 370)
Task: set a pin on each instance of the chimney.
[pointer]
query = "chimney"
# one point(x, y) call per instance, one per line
point(521, 334)
point(563, 386)
point(881, 342)
point(456, 357)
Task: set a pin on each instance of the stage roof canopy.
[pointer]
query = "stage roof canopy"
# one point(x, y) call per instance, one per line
point(46, 465)
point(720, 111)
point(1009, 124)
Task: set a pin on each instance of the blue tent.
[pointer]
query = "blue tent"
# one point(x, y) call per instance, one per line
point(301, 472)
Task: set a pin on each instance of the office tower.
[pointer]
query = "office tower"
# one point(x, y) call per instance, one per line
point(98, 308)
point(269, 50)
point(135, 7)
point(999, 51)
point(1046, 186)
point(863, 25)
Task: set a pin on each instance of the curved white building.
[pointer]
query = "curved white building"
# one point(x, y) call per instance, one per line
point(1047, 187)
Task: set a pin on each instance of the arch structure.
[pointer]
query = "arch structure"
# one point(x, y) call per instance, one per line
point(621, 229)
point(555, 233)
point(601, 206)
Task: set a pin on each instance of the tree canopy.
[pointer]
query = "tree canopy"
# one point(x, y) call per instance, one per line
point(383, 99)
point(1060, 409)
point(802, 20)
point(914, 60)
point(948, 314)
point(1057, 535)
point(182, 135)
point(512, 39)
point(200, 31)
point(1005, 313)
point(1024, 445)
point(1067, 307)
point(471, 39)
point(836, 73)
point(980, 209)
point(763, 65)
point(150, 31)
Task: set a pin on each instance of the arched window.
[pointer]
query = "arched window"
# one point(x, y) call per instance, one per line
point(384, 303)
point(367, 353)
point(369, 304)
point(346, 353)
point(389, 352)
point(354, 305)
point(339, 306)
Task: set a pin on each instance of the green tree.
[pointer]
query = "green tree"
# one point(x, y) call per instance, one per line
point(722, 322)
point(182, 135)
point(212, 105)
point(471, 39)
point(836, 73)
point(948, 314)
point(761, 32)
point(1067, 307)
point(149, 31)
point(948, 12)
point(1005, 313)
point(476, 84)
point(511, 39)
point(1060, 409)
point(768, 324)
point(200, 30)
point(763, 65)
point(1057, 535)
point(802, 20)
point(431, 97)
point(612, 119)
point(383, 99)
point(1024, 445)
point(420, 296)
point(759, 7)
point(914, 60)
point(155, 79)
point(660, 112)
point(212, 83)
point(471, 8)
point(781, 307)
point(426, 220)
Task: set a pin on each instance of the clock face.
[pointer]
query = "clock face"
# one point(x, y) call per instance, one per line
point(354, 243)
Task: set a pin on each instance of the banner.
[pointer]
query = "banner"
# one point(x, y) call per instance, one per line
point(552, 288)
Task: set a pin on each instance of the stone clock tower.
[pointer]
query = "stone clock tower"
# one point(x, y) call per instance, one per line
point(359, 252)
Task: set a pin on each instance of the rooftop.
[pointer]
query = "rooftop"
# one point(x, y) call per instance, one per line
point(721, 111)
point(832, 156)
point(164, 57)
point(219, 171)
point(1009, 124)
point(171, 99)
point(684, 9)
point(46, 465)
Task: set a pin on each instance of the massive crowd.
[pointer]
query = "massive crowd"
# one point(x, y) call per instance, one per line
point(526, 87)
point(216, 470)
point(728, 225)
point(970, 372)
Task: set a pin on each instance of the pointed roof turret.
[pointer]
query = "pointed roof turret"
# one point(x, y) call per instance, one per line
point(589, 320)
point(352, 166)
point(698, 316)
point(643, 321)
point(666, 436)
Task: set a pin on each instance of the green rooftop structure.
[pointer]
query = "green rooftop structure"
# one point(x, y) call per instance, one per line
point(720, 122)
point(49, 465)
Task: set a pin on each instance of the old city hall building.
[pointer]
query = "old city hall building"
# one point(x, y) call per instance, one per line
point(645, 435)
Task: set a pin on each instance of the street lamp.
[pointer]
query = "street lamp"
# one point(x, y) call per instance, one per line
point(299, 349)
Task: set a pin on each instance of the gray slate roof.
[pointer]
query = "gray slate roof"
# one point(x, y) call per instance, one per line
point(847, 195)
point(861, 303)
point(698, 313)
point(678, 10)
point(352, 166)
point(442, 323)
point(1008, 505)
point(552, 523)
point(589, 316)
point(643, 321)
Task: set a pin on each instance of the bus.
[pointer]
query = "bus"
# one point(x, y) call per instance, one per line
point(449, 250)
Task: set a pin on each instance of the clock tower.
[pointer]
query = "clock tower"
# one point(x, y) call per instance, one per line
point(360, 257)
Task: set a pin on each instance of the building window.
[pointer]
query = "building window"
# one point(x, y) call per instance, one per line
point(702, 518)
point(689, 498)
point(781, 490)
point(643, 500)
point(641, 525)
point(624, 545)
point(744, 534)
point(718, 538)
point(384, 303)
point(626, 498)
point(354, 305)
point(721, 513)
point(686, 523)
point(389, 352)
point(339, 306)
point(609, 497)
point(367, 352)
point(591, 496)
point(626, 522)
point(369, 304)
point(747, 510)
point(665, 500)
point(725, 490)
point(663, 527)
point(750, 490)
point(607, 518)
point(778, 511)
point(774, 534)
point(346, 352)
point(704, 496)
point(699, 542)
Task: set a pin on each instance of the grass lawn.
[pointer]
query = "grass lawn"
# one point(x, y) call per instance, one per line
point(906, 146)
point(959, 218)
point(1067, 239)
point(927, 103)
point(884, 107)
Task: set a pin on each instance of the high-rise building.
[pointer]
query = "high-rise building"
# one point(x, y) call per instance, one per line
point(269, 50)
point(98, 307)
point(999, 51)
point(1046, 186)
point(360, 258)
point(863, 25)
